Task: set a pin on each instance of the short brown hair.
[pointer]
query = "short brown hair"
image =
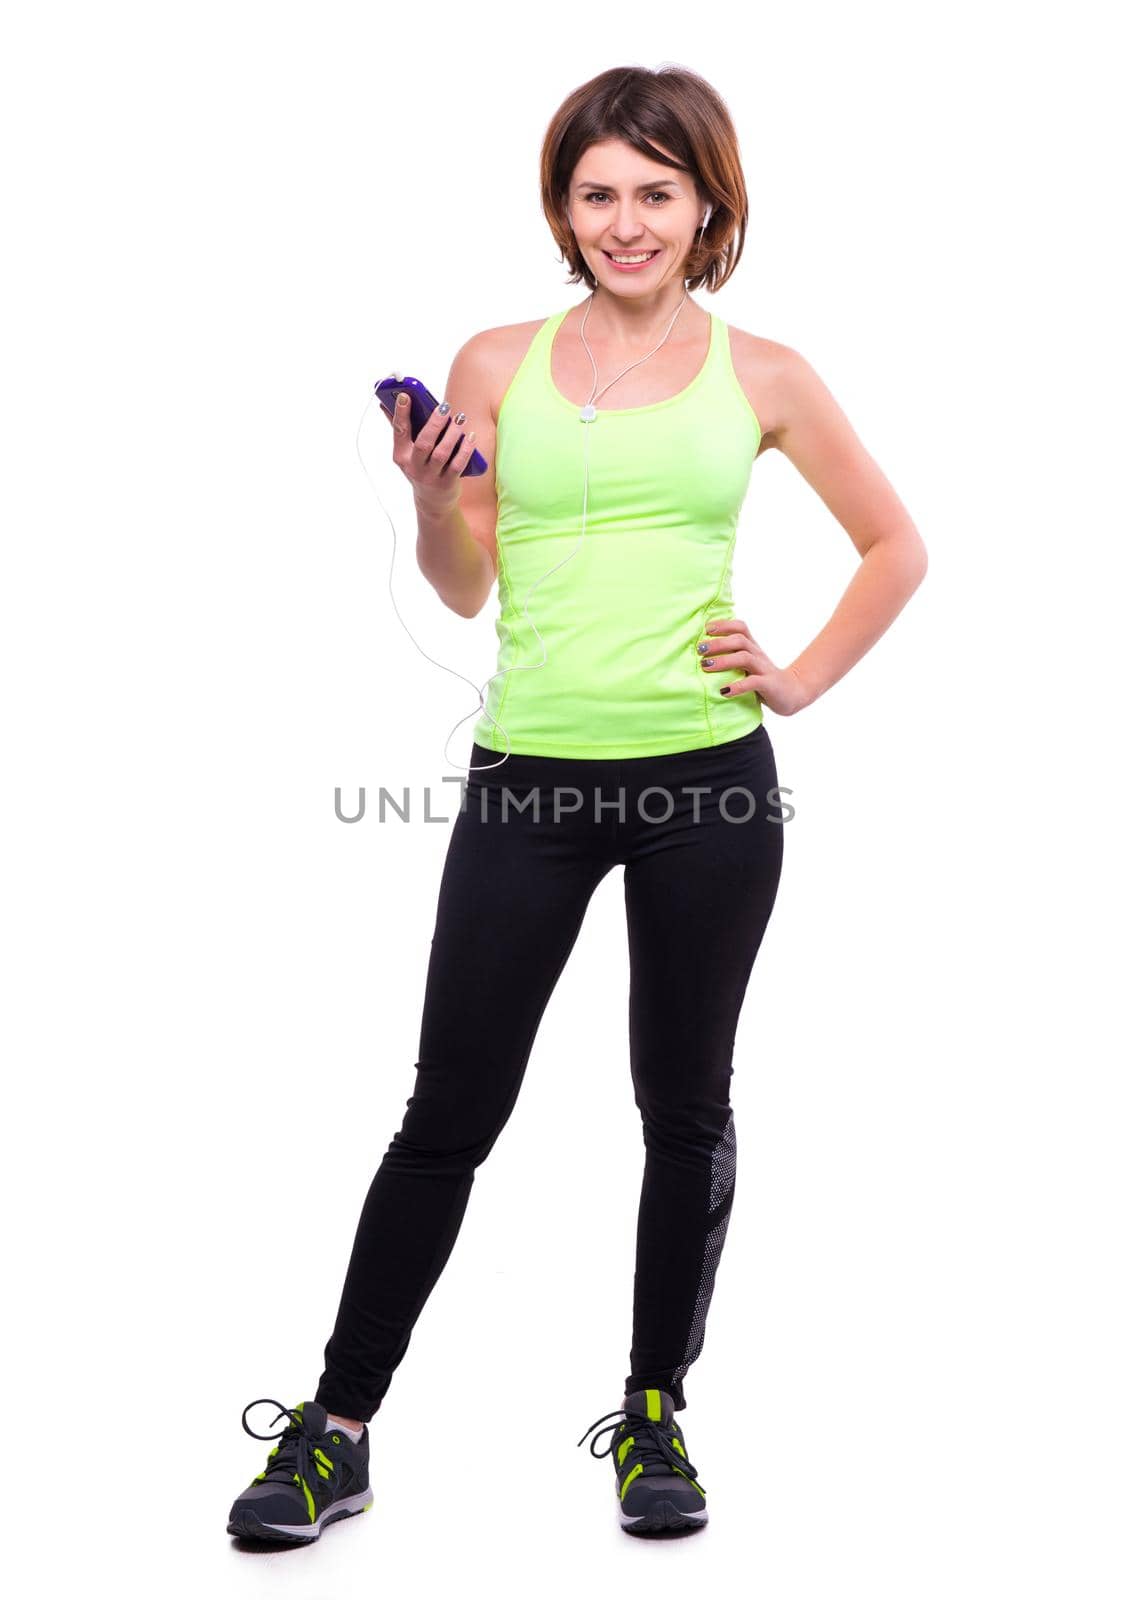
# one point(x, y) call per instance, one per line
point(682, 112)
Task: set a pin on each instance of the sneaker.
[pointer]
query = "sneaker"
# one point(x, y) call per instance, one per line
point(315, 1475)
point(654, 1479)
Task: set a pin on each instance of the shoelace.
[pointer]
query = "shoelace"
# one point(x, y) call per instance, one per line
point(650, 1444)
point(294, 1453)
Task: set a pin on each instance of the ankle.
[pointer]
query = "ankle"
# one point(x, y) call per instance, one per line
point(345, 1422)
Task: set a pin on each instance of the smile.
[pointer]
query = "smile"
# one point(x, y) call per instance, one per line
point(631, 261)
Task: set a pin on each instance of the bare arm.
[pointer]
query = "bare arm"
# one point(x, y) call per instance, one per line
point(812, 431)
point(455, 563)
point(456, 546)
point(818, 438)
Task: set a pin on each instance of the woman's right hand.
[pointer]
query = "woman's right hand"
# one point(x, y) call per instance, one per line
point(433, 469)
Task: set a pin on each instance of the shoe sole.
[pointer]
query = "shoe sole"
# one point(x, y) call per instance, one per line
point(662, 1517)
point(248, 1525)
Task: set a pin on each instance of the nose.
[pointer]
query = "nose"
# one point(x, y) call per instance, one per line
point(627, 225)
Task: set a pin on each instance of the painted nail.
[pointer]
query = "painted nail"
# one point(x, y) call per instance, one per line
point(702, 647)
point(444, 408)
point(727, 689)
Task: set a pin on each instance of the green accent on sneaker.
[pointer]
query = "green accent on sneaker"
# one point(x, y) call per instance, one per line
point(307, 1496)
point(260, 1478)
point(629, 1479)
point(654, 1404)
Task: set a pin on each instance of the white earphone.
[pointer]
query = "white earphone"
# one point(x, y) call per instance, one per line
point(587, 415)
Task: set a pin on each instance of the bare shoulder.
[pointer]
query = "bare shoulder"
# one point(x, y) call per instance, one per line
point(802, 414)
point(496, 354)
point(481, 371)
point(761, 365)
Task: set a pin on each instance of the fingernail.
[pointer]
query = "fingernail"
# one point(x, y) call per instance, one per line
point(444, 408)
point(727, 689)
point(402, 399)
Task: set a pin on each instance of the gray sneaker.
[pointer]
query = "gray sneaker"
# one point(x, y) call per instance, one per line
point(656, 1484)
point(315, 1476)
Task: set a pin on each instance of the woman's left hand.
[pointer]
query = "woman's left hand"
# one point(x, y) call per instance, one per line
point(730, 644)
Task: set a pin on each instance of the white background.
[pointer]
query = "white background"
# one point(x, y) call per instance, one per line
point(225, 222)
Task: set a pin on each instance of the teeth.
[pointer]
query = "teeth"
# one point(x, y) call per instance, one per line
point(626, 259)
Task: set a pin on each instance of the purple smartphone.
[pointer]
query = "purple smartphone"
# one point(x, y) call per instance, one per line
point(421, 407)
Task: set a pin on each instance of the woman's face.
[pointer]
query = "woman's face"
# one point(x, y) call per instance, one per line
point(621, 203)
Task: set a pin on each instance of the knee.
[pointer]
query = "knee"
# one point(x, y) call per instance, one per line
point(700, 1136)
point(451, 1132)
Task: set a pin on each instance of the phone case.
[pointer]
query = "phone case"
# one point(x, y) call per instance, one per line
point(421, 407)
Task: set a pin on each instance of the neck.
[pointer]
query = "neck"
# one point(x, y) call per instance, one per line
point(637, 320)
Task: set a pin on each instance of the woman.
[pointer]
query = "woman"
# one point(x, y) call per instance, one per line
point(608, 643)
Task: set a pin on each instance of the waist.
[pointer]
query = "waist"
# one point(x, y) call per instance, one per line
point(670, 768)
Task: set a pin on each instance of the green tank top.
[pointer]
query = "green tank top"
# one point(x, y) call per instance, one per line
point(622, 619)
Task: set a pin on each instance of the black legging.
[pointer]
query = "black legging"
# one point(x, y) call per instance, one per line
point(699, 887)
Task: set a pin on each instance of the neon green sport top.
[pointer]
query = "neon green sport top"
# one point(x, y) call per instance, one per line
point(622, 619)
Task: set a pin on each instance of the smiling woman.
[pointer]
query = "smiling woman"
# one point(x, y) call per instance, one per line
point(678, 123)
point(623, 445)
